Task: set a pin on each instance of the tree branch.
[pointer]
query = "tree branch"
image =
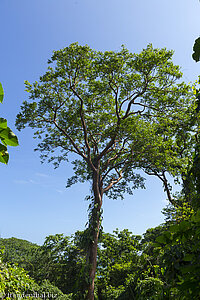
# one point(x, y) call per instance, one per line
point(116, 103)
point(74, 145)
point(84, 129)
point(112, 141)
point(163, 178)
point(134, 98)
point(113, 181)
point(115, 157)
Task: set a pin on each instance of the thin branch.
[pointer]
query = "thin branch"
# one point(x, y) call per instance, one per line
point(136, 112)
point(134, 98)
point(165, 182)
point(95, 143)
point(146, 106)
point(118, 122)
point(116, 99)
point(75, 146)
point(163, 178)
point(84, 128)
point(116, 155)
point(82, 119)
point(113, 181)
point(128, 98)
point(129, 106)
point(110, 144)
point(123, 162)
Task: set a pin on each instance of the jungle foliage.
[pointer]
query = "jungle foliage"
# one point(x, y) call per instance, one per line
point(161, 264)
point(15, 283)
point(117, 113)
point(7, 137)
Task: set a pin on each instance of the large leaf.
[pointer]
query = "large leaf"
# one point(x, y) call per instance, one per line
point(3, 123)
point(1, 93)
point(4, 156)
point(8, 137)
point(196, 49)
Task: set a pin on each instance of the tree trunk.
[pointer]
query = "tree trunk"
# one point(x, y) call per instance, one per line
point(94, 231)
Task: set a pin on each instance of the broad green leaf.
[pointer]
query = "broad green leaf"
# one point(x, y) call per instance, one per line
point(8, 137)
point(4, 156)
point(1, 93)
point(3, 123)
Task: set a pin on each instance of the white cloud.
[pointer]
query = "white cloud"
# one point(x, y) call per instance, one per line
point(33, 181)
point(22, 181)
point(41, 175)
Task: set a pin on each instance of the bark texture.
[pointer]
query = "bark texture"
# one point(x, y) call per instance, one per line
point(94, 227)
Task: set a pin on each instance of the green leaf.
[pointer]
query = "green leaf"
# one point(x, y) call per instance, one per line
point(1, 93)
point(3, 123)
point(8, 137)
point(196, 49)
point(4, 156)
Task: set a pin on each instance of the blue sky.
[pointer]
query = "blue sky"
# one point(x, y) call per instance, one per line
point(34, 200)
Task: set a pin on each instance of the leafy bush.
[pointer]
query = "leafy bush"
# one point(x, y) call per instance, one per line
point(15, 283)
point(150, 288)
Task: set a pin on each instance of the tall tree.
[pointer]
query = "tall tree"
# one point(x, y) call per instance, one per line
point(7, 137)
point(116, 112)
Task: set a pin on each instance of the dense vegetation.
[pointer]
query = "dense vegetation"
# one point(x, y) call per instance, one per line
point(15, 283)
point(148, 122)
point(117, 113)
point(161, 264)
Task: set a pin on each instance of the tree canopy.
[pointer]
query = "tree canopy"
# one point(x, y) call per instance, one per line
point(114, 106)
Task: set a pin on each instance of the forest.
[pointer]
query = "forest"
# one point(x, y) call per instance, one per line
point(117, 112)
point(114, 119)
